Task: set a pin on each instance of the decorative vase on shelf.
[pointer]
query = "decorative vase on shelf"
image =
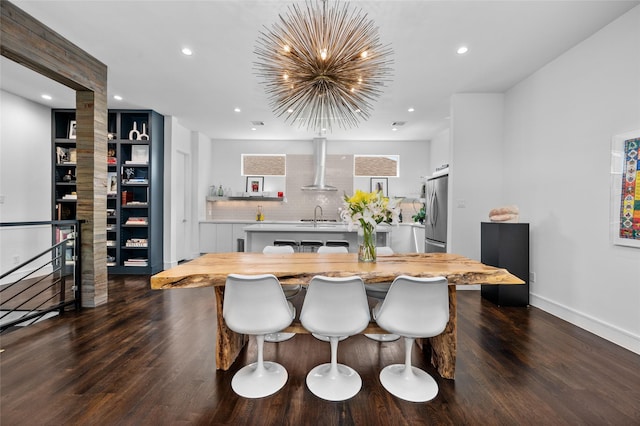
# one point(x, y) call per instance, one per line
point(367, 243)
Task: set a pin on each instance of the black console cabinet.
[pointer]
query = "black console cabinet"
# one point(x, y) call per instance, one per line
point(506, 245)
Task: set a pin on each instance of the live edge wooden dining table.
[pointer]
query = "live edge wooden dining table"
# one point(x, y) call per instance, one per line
point(211, 270)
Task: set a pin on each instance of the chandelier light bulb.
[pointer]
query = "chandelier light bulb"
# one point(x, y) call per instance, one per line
point(323, 54)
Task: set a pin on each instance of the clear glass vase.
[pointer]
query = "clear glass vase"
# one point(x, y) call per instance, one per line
point(367, 243)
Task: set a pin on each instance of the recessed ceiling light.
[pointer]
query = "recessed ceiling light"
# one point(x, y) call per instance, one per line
point(394, 129)
point(117, 97)
point(47, 97)
point(237, 109)
point(186, 51)
point(411, 109)
point(253, 128)
point(462, 50)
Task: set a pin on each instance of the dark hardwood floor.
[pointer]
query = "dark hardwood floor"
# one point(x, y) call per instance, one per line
point(147, 358)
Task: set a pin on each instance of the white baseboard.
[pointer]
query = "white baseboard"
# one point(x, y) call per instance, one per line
point(593, 325)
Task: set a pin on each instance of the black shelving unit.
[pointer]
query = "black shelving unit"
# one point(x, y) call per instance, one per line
point(134, 186)
point(506, 245)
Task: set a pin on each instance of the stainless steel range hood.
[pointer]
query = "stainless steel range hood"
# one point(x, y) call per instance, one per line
point(319, 159)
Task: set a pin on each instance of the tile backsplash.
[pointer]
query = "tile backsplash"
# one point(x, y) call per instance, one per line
point(300, 204)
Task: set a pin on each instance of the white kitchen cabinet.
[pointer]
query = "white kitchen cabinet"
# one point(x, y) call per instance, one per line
point(208, 238)
point(224, 237)
point(418, 238)
point(407, 238)
point(221, 237)
point(402, 238)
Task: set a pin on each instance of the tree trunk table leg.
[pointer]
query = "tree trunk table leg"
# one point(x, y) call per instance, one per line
point(443, 346)
point(228, 343)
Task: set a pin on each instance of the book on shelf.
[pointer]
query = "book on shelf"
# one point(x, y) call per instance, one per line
point(70, 197)
point(137, 221)
point(64, 212)
point(111, 243)
point(136, 180)
point(136, 242)
point(136, 262)
point(137, 203)
point(126, 197)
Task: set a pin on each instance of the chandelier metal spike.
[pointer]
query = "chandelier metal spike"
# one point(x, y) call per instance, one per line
point(323, 65)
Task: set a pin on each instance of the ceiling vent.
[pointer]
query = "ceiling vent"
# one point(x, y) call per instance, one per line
point(398, 123)
point(257, 123)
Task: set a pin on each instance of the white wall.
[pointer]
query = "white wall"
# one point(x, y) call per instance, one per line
point(475, 178)
point(558, 128)
point(25, 177)
point(439, 150)
point(178, 143)
point(205, 172)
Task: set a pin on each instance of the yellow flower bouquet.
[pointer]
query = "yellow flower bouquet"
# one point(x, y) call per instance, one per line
point(366, 210)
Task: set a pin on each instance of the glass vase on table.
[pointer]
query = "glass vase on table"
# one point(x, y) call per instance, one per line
point(367, 243)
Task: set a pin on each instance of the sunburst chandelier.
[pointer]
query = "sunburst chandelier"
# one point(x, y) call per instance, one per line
point(323, 65)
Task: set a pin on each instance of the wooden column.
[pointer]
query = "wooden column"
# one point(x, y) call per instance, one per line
point(91, 174)
point(27, 41)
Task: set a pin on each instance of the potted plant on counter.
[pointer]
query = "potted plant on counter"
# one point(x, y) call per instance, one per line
point(419, 217)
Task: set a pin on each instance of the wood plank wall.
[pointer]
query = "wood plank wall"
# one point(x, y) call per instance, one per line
point(28, 42)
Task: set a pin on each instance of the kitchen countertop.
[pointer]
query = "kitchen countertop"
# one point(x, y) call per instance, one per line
point(293, 222)
point(322, 227)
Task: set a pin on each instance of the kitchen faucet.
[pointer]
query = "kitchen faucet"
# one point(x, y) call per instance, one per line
point(315, 217)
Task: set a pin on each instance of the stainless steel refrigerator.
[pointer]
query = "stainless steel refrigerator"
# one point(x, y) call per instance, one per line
point(435, 222)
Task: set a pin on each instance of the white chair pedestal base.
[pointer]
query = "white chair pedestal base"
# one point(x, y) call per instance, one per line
point(254, 381)
point(408, 382)
point(278, 337)
point(326, 338)
point(416, 386)
point(383, 337)
point(338, 385)
point(333, 381)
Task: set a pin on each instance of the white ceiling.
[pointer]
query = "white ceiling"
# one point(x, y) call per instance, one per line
point(140, 42)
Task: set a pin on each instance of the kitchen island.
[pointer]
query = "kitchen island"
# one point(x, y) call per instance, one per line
point(264, 234)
